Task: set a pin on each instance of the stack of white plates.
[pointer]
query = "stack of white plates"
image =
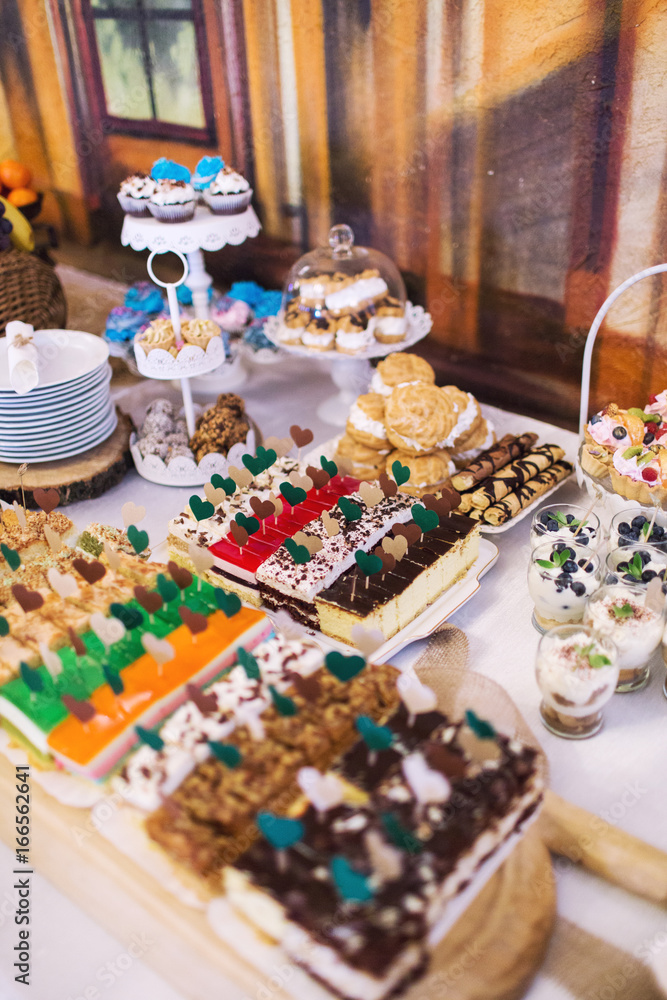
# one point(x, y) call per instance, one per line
point(69, 411)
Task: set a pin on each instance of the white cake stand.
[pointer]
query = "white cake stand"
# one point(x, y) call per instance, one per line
point(351, 373)
point(205, 231)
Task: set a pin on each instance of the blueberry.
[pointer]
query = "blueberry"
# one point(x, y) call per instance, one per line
point(611, 578)
point(569, 566)
point(596, 418)
point(644, 556)
point(578, 588)
point(552, 525)
point(540, 529)
point(634, 535)
point(545, 517)
point(648, 575)
point(559, 546)
point(658, 533)
point(569, 518)
point(622, 567)
point(619, 433)
point(664, 588)
point(638, 522)
point(559, 589)
point(583, 539)
point(629, 578)
point(589, 568)
point(624, 528)
point(564, 579)
point(649, 438)
point(571, 554)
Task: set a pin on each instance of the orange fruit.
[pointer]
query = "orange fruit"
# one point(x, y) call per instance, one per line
point(20, 197)
point(14, 174)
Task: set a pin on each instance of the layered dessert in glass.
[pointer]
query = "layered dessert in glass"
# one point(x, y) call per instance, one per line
point(626, 614)
point(561, 578)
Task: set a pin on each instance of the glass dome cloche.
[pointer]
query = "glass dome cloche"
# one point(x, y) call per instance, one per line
point(343, 298)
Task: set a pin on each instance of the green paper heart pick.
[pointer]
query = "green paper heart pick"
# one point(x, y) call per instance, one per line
point(168, 590)
point(249, 664)
point(280, 831)
point(367, 563)
point(329, 466)
point(293, 494)
point(352, 886)
point(31, 678)
point(427, 520)
point(151, 739)
point(299, 553)
point(230, 755)
point(11, 555)
point(4, 627)
point(201, 509)
point(114, 680)
point(401, 473)
point(283, 704)
point(351, 511)
point(399, 835)
point(138, 539)
point(229, 604)
point(251, 524)
point(375, 737)
point(483, 730)
point(253, 465)
point(220, 483)
point(130, 617)
point(344, 668)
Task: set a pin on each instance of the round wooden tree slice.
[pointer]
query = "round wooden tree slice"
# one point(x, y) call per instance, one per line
point(83, 477)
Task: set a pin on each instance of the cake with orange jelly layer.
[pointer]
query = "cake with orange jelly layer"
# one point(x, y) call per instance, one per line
point(80, 709)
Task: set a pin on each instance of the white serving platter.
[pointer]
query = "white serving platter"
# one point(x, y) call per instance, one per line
point(64, 355)
point(49, 428)
point(35, 401)
point(100, 433)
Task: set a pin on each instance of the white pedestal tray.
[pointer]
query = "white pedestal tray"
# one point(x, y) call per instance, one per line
point(351, 373)
point(602, 488)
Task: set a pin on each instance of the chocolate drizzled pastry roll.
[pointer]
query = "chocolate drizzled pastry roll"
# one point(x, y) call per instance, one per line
point(512, 476)
point(500, 512)
point(500, 454)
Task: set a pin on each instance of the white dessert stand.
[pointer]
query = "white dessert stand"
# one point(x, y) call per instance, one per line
point(205, 231)
point(602, 488)
point(351, 373)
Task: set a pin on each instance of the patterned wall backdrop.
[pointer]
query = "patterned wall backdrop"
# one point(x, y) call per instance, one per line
point(510, 156)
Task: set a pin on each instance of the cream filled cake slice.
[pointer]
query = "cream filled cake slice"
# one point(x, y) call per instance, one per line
point(390, 600)
point(286, 584)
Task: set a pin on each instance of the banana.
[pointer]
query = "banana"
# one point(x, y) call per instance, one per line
point(22, 236)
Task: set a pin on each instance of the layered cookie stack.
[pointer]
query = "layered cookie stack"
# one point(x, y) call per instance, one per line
point(407, 418)
point(343, 313)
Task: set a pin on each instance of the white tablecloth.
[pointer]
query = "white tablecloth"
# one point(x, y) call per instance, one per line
point(619, 775)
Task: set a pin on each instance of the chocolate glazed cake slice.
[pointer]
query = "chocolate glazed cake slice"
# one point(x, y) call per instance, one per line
point(390, 600)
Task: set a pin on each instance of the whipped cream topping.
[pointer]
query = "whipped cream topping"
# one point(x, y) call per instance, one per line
point(390, 326)
point(360, 419)
point(319, 338)
point(354, 340)
point(602, 433)
point(472, 453)
point(227, 181)
point(660, 405)
point(172, 193)
point(637, 635)
point(380, 386)
point(562, 670)
point(630, 468)
point(463, 424)
point(359, 291)
point(138, 186)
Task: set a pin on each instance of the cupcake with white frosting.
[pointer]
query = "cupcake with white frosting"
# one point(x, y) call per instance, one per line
point(173, 201)
point(229, 193)
point(135, 192)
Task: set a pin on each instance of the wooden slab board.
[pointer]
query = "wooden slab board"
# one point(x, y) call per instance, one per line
point(82, 477)
point(491, 953)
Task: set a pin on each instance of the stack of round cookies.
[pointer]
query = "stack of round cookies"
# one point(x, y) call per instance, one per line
point(408, 418)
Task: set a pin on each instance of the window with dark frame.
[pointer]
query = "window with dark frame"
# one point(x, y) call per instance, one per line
point(150, 63)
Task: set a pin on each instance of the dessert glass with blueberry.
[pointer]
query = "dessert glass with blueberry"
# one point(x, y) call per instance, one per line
point(561, 578)
point(634, 526)
point(567, 523)
point(637, 565)
point(577, 673)
point(627, 615)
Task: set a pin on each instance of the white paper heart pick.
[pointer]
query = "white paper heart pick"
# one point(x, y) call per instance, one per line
point(324, 791)
point(54, 540)
point(20, 514)
point(132, 513)
point(427, 785)
point(366, 640)
point(416, 697)
point(64, 584)
point(113, 558)
point(161, 650)
point(107, 630)
point(50, 660)
point(202, 559)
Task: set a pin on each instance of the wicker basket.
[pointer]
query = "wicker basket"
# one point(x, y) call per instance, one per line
point(30, 291)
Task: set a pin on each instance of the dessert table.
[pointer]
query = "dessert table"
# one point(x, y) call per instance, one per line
point(618, 776)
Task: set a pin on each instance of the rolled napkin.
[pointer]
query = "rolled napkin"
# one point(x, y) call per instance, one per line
point(22, 357)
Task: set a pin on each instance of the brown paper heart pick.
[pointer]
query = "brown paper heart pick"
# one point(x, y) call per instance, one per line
point(202, 559)
point(411, 532)
point(64, 584)
point(242, 477)
point(388, 486)
point(20, 514)
point(320, 477)
point(91, 571)
point(193, 620)
point(77, 642)
point(303, 482)
point(113, 556)
point(440, 505)
point(206, 703)
point(301, 435)
point(452, 496)
point(132, 514)
point(388, 560)
point(30, 600)
point(81, 710)
point(214, 495)
point(53, 539)
point(150, 600)
point(277, 503)
point(307, 688)
point(262, 508)
point(312, 543)
point(239, 534)
point(371, 495)
point(397, 547)
point(181, 576)
point(280, 445)
point(46, 500)
point(330, 523)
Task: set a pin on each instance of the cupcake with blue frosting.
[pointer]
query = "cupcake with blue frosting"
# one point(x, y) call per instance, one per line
point(123, 323)
point(168, 170)
point(144, 297)
point(206, 171)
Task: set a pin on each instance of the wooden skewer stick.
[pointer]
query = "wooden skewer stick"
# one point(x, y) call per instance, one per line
point(582, 522)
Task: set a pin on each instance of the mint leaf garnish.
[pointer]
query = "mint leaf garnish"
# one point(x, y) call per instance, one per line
point(636, 566)
point(622, 610)
point(599, 660)
point(560, 517)
point(645, 529)
point(545, 564)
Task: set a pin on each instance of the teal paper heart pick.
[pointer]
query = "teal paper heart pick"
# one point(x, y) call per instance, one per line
point(375, 737)
point(283, 704)
point(299, 553)
point(230, 755)
point(350, 511)
point(401, 473)
point(138, 538)
point(425, 519)
point(31, 678)
point(11, 555)
point(352, 886)
point(201, 509)
point(399, 835)
point(483, 730)
point(220, 483)
point(229, 604)
point(151, 739)
point(293, 494)
point(114, 680)
point(280, 831)
point(329, 466)
point(344, 668)
point(4, 627)
point(130, 617)
point(168, 590)
point(367, 563)
point(253, 465)
point(251, 524)
point(249, 664)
